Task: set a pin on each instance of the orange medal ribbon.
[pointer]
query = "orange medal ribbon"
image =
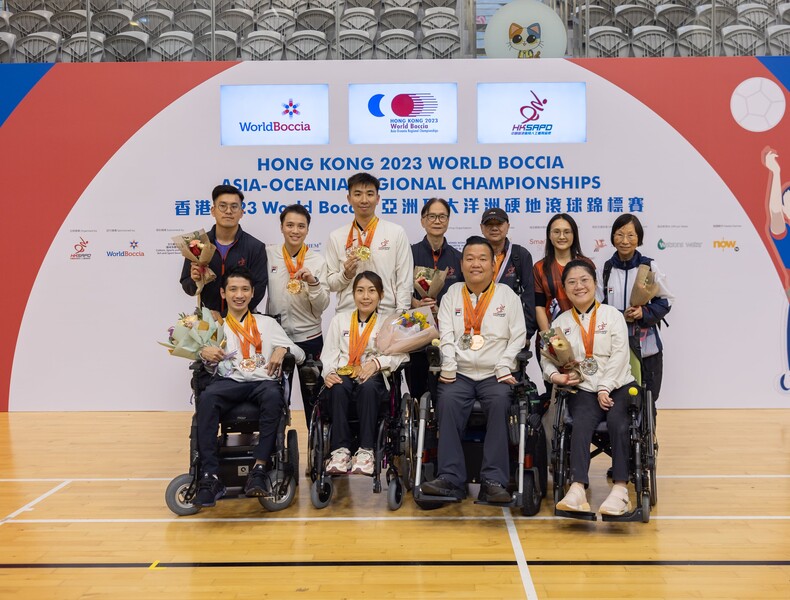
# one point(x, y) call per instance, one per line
point(473, 315)
point(246, 332)
point(299, 260)
point(588, 337)
point(366, 234)
point(356, 342)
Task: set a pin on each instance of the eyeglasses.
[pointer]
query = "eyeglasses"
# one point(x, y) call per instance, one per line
point(631, 237)
point(563, 232)
point(232, 208)
point(436, 218)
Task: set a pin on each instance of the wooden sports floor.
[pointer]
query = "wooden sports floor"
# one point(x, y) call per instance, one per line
point(83, 516)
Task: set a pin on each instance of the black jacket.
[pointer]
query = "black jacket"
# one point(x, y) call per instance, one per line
point(449, 258)
point(518, 275)
point(246, 251)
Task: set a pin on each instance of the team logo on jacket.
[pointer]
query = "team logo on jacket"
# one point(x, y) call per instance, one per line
point(510, 271)
point(567, 331)
point(499, 311)
point(457, 312)
point(345, 332)
point(242, 262)
point(601, 327)
point(385, 245)
point(274, 269)
point(450, 272)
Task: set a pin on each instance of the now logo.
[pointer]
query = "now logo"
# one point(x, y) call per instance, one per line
point(726, 245)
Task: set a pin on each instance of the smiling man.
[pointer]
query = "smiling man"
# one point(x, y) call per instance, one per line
point(369, 244)
point(482, 331)
point(234, 248)
point(248, 369)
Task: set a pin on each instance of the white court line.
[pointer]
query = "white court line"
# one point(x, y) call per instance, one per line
point(523, 568)
point(30, 505)
point(382, 519)
point(724, 476)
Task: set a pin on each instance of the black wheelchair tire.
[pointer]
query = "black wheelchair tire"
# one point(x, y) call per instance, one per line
point(320, 495)
point(652, 446)
point(645, 508)
point(395, 493)
point(409, 415)
point(279, 502)
point(292, 447)
point(174, 496)
point(531, 499)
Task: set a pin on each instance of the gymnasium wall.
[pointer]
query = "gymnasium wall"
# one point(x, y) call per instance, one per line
point(102, 164)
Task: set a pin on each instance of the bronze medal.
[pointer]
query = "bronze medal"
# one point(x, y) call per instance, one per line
point(478, 341)
point(248, 365)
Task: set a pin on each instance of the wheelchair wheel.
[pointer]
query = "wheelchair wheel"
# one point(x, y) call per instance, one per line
point(645, 508)
point(321, 495)
point(409, 415)
point(282, 495)
point(531, 499)
point(651, 447)
point(174, 496)
point(292, 441)
point(395, 493)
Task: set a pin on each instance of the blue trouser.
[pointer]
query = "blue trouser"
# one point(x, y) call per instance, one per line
point(223, 393)
point(454, 406)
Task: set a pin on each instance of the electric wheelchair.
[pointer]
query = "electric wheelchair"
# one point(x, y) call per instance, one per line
point(642, 456)
point(238, 436)
point(388, 453)
point(527, 441)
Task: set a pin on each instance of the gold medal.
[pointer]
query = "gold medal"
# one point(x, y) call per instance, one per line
point(294, 286)
point(478, 341)
point(355, 371)
point(248, 365)
point(363, 252)
point(346, 370)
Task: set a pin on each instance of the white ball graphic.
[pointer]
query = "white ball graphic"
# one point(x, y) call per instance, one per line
point(525, 29)
point(757, 104)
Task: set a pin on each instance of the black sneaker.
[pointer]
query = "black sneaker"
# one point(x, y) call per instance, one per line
point(493, 491)
point(210, 489)
point(442, 487)
point(258, 483)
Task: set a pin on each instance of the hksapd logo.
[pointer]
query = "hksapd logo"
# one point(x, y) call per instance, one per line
point(531, 114)
point(726, 245)
point(134, 244)
point(79, 250)
point(290, 109)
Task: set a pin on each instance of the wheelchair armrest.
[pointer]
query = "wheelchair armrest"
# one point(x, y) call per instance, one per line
point(289, 364)
point(434, 356)
point(310, 371)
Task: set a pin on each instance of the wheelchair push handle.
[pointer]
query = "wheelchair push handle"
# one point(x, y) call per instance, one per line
point(433, 352)
point(288, 364)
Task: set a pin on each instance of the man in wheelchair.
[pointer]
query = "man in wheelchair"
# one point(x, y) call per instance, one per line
point(482, 331)
point(248, 369)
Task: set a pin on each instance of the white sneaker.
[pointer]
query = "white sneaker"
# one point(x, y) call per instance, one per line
point(575, 500)
point(617, 502)
point(339, 462)
point(362, 463)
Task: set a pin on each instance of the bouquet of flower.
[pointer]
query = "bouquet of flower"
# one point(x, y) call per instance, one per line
point(645, 286)
point(409, 331)
point(429, 282)
point(192, 332)
point(197, 248)
point(558, 351)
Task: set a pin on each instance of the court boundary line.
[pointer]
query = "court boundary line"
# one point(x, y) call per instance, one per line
point(521, 561)
point(29, 506)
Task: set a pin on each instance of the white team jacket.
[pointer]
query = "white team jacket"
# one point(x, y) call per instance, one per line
point(335, 352)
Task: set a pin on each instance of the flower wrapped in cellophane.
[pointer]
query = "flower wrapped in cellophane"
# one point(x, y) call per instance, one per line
point(406, 332)
point(192, 332)
point(429, 282)
point(558, 351)
point(197, 248)
point(645, 286)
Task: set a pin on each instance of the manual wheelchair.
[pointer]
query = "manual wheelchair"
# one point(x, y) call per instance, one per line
point(389, 452)
point(238, 436)
point(642, 456)
point(527, 441)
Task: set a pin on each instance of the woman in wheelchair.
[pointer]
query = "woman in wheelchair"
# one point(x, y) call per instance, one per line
point(352, 370)
point(597, 332)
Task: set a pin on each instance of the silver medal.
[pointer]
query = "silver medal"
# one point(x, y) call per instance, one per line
point(465, 341)
point(589, 366)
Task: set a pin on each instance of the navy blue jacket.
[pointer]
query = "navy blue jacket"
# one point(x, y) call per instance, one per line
point(520, 263)
point(246, 251)
point(449, 258)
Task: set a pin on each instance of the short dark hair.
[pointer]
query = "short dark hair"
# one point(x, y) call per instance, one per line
point(583, 264)
point(433, 201)
point(295, 208)
point(624, 220)
point(226, 189)
point(478, 240)
point(363, 179)
point(372, 278)
point(237, 271)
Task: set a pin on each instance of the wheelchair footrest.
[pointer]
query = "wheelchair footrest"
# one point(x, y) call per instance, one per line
point(572, 514)
point(426, 498)
point(633, 516)
point(510, 504)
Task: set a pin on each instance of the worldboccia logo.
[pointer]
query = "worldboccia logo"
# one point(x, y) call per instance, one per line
point(134, 251)
point(288, 109)
point(403, 105)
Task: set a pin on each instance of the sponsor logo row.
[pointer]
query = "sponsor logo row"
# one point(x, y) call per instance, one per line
point(81, 250)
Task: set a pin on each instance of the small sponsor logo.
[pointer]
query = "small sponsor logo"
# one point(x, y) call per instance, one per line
point(134, 252)
point(599, 245)
point(726, 245)
point(80, 250)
